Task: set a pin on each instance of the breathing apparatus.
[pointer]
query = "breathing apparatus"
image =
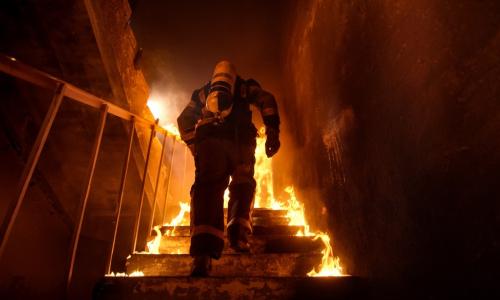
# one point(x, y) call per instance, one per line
point(220, 96)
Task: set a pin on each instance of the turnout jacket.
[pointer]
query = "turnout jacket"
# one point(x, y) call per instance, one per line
point(196, 119)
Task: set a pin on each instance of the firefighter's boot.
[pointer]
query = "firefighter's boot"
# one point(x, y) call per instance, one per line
point(238, 238)
point(202, 265)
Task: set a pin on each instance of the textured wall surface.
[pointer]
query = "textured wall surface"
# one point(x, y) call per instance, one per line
point(395, 108)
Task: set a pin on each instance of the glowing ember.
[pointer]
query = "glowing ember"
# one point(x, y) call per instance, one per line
point(133, 274)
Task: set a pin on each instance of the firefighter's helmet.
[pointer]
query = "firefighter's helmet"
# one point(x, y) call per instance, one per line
point(220, 96)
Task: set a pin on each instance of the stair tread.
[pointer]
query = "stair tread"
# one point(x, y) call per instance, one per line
point(231, 264)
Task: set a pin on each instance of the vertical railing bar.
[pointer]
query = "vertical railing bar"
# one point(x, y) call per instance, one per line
point(36, 150)
point(168, 180)
point(85, 196)
point(121, 193)
point(157, 182)
point(143, 188)
point(185, 167)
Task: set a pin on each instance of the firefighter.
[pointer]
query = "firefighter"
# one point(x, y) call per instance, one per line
point(217, 127)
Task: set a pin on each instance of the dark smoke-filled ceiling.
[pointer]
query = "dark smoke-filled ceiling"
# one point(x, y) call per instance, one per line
point(182, 40)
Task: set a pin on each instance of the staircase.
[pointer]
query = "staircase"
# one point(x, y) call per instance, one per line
point(275, 268)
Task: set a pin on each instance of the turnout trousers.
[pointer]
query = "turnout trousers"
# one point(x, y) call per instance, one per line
point(218, 159)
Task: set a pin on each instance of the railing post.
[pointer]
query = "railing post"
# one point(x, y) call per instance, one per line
point(83, 203)
point(143, 188)
point(185, 167)
point(29, 168)
point(168, 181)
point(157, 182)
point(120, 193)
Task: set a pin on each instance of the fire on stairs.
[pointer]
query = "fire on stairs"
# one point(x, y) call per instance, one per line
point(284, 254)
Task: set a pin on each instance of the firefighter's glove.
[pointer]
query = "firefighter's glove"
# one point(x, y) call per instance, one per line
point(272, 141)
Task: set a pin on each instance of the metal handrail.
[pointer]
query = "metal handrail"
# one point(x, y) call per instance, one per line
point(62, 89)
point(15, 68)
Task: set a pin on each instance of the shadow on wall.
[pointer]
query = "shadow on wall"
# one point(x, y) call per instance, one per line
point(395, 108)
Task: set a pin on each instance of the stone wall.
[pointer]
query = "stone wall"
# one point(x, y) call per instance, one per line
point(394, 115)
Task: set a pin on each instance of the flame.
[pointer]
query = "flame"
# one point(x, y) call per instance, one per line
point(180, 218)
point(153, 246)
point(330, 265)
point(263, 174)
point(226, 198)
point(264, 198)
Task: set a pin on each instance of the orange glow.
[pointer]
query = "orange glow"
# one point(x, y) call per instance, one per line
point(264, 198)
point(182, 218)
point(264, 193)
point(133, 274)
point(158, 107)
point(330, 265)
point(153, 246)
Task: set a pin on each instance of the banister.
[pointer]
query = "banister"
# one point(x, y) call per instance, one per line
point(17, 69)
point(65, 90)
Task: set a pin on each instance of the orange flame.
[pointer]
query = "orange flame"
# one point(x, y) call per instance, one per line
point(264, 198)
point(153, 246)
point(159, 109)
point(264, 192)
point(330, 265)
point(180, 219)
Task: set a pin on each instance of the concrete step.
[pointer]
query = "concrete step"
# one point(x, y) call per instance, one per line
point(215, 288)
point(259, 244)
point(257, 230)
point(252, 265)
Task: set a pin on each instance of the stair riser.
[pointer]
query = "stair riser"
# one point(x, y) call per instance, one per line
point(259, 244)
point(266, 221)
point(257, 230)
point(265, 213)
point(156, 288)
point(228, 265)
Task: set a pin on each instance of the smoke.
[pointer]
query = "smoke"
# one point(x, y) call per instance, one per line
point(167, 97)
